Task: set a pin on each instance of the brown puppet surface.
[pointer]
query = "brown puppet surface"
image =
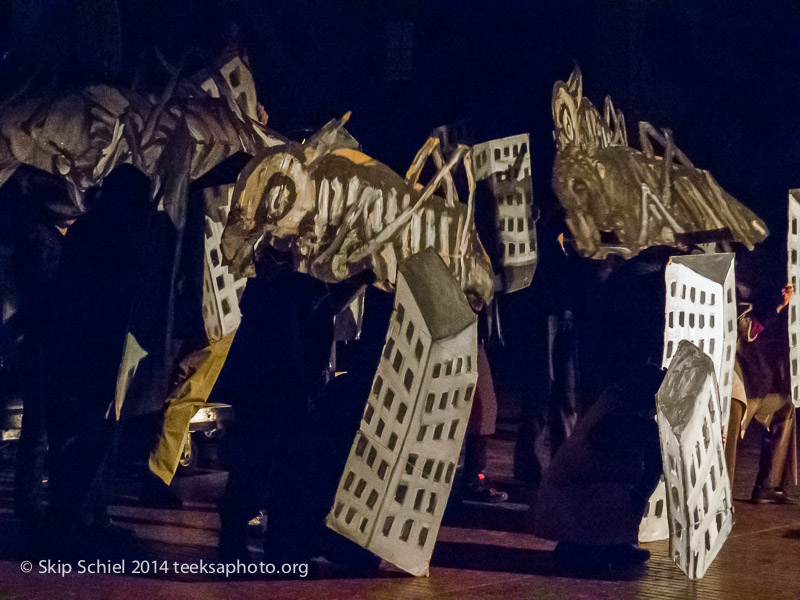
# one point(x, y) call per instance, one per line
point(339, 212)
point(620, 200)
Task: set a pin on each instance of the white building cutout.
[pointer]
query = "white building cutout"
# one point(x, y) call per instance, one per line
point(234, 82)
point(398, 477)
point(506, 163)
point(793, 272)
point(697, 484)
point(654, 525)
point(701, 308)
point(221, 289)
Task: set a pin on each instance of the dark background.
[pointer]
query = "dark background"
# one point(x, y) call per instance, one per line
point(723, 76)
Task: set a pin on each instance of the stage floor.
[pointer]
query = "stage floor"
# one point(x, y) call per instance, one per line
point(482, 552)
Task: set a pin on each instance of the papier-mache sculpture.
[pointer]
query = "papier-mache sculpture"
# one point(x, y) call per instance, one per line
point(84, 135)
point(174, 136)
point(698, 495)
point(506, 164)
point(397, 479)
point(338, 212)
point(793, 273)
point(620, 200)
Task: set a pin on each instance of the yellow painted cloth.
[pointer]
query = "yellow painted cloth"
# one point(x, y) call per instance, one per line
point(199, 372)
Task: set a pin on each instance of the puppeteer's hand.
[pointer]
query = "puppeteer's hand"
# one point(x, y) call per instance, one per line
point(787, 292)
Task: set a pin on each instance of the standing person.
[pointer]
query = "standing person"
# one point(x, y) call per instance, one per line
point(761, 391)
point(276, 365)
point(482, 420)
point(104, 264)
point(35, 262)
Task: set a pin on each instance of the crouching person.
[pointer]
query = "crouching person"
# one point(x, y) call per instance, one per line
point(593, 496)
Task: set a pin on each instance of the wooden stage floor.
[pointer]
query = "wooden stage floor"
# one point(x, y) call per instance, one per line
point(482, 552)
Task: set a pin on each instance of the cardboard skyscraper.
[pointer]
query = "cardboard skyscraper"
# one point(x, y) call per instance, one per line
point(506, 164)
point(397, 479)
point(698, 489)
point(793, 276)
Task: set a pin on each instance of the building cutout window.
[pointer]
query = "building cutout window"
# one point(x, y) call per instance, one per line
point(408, 380)
point(388, 398)
point(468, 393)
point(398, 361)
point(409, 331)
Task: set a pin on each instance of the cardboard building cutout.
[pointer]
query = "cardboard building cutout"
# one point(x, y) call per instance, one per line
point(793, 276)
point(398, 476)
point(699, 497)
point(339, 212)
point(221, 288)
point(620, 200)
point(654, 525)
point(505, 163)
point(701, 308)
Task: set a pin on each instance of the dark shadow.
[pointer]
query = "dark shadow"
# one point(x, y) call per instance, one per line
point(511, 517)
point(792, 534)
point(131, 500)
point(161, 522)
point(486, 557)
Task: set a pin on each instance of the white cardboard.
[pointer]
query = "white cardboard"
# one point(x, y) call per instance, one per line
point(696, 476)
point(397, 479)
point(221, 288)
point(793, 273)
point(654, 525)
point(701, 308)
point(495, 160)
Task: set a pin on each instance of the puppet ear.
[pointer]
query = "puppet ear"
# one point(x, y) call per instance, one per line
point(325, 140)
point(575, 83)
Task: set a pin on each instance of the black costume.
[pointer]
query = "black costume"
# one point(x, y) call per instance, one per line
point(37, 254)
point(104, 264)
point(276, 365)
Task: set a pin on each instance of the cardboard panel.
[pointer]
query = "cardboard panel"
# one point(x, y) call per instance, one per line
point(654, 525)
point(398, 476)
point(221, 288)
point(698, 489)
point(701, 308)
point(793, 276)
point(506, 164)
